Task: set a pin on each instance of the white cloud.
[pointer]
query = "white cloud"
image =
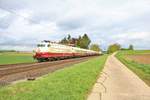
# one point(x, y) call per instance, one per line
point(105, 21)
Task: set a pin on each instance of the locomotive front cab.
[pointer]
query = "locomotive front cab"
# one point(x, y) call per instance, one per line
point(43, 47)
point(42, 51)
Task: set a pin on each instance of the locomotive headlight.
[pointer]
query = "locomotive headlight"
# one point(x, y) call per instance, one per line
point(34, 52)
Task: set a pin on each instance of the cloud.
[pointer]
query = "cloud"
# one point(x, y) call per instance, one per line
point(71, 24)
point(105, 21)
point(12, 4)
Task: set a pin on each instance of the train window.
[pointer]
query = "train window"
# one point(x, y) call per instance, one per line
point(41, 45)
point(48, 45)
point(38, 45)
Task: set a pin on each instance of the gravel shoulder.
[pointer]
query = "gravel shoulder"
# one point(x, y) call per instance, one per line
point(15, 72)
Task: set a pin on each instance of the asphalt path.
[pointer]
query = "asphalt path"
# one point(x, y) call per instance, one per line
point(117, 82)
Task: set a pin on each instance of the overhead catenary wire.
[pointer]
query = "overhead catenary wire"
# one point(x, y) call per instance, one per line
point(26, 18)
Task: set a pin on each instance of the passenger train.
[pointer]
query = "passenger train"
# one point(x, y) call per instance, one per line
point(48, 51)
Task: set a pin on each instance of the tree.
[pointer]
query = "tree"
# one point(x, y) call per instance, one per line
point(95, 47)
point(69, 38)
point(64, 41)
point(114, 47)
point(84, 41)
point(78, 41)
point(131, 47)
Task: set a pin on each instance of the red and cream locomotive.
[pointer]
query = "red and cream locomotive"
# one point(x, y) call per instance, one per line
point(47, 51)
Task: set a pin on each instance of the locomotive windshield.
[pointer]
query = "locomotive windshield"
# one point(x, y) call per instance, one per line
point(40, 45)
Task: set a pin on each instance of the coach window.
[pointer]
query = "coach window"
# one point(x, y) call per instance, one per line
point(48, 45)
point(39, 45)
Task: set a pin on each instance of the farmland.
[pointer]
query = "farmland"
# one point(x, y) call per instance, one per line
point(141, 58)
point(71, 83)
point(138, 62)
point(15, 57)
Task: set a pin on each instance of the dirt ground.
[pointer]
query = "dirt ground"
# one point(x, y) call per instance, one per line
point(141, 58)
point(14, 72)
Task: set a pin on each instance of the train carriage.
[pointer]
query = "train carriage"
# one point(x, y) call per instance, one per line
point(47, 50)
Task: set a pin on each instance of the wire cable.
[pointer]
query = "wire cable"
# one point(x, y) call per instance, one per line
point(26, 18)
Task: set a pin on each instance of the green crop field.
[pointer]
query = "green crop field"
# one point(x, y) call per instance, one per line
point(142, 70)
point(15, 57)
point(72, 83)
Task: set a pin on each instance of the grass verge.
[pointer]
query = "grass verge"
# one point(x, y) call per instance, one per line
point(71, 83)
point(15, 57)
point(142, 70)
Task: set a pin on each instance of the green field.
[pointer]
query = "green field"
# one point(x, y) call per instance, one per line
point(15, 57)
point(73, 83)
point(142, 70)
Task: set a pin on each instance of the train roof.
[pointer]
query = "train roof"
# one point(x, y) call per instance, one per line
point(58, 44)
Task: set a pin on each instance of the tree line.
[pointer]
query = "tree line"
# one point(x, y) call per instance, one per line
point(81, 42)
point(115, 47)
point(85, 43)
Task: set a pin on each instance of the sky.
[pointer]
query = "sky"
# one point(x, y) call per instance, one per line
point(24, 23)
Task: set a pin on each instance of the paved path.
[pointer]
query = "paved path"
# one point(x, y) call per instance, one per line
point(117, 82)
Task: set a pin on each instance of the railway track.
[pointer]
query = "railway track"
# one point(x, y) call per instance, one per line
point(10, 73)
